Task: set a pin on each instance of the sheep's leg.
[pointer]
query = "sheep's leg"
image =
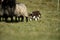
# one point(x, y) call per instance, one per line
point(26, 19)
point(18, 18)
point(6, 18)
point(22, 18)
point(11, 18)
point(0, 18)
point(5, 15)
point(3, 18)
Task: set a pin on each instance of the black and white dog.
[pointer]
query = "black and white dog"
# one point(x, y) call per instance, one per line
point(35, 15)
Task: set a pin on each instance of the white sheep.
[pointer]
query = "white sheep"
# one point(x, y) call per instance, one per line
point(21, 11)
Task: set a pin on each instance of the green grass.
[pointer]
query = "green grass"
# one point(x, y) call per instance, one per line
point(47, 28)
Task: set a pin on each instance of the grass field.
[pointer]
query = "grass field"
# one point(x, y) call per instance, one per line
point(46, 28)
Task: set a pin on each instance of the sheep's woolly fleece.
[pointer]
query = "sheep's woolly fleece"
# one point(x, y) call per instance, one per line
point(21, 9)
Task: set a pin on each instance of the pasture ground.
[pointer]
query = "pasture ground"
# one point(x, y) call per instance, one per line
point(46, 28)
